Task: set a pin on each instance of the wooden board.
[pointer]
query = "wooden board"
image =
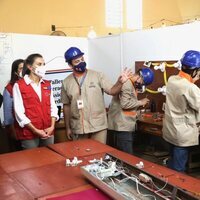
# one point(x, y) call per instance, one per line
point(159, 98)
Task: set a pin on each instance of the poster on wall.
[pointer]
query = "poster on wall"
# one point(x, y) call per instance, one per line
point(56, 77)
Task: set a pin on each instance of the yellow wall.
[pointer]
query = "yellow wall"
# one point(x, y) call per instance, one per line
point(170, 10)
point(37, 16)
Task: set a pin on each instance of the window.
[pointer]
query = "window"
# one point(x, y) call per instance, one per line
point(114, 13)
point(134, 14)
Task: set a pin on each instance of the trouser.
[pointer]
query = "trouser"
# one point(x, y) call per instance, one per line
point(178, 158)
point(122, 140)
point(99, 136)
point(36, 142)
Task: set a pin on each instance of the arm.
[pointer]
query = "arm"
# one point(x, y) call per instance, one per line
point(193, 100)
point(125, 75)
point(66, 111)
point(116, 88)
point(54, 116)
point(8, 114)
point(19, 109)
point(41, 133)
point(128, 98)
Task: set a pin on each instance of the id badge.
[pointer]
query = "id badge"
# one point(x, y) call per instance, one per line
point(80, 104)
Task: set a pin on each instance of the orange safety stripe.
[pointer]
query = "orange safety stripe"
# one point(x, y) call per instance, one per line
point(129, 113)
point(82, 120)
point(186, 76)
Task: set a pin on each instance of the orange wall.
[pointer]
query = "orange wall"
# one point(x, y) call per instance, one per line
point(36, 17)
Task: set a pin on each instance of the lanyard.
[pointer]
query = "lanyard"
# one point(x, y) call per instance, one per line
point(81, 81)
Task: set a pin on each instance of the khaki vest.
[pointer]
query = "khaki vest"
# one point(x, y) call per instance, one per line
point(122, 112)
point(182, 112)
point(92, 117)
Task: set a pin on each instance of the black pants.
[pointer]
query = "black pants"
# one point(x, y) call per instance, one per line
point(122, 140)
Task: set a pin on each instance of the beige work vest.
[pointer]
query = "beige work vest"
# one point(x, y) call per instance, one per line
point(182, 112)
point(122, 112)
point(92, 117)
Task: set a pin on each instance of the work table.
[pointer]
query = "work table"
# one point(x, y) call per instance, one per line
point(41, 173)
point(150, 123)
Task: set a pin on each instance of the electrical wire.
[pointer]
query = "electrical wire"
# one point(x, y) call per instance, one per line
point(53, 59)
point(169, 65)
point(160, 189)
point(152, 91)
point(165, 77)
point(145, 195)
point(124, 170)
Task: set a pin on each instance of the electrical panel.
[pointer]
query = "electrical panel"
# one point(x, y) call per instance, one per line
point(121, 180)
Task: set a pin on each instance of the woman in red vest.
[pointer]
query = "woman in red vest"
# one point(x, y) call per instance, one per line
point(34, 105)
point(9, 119)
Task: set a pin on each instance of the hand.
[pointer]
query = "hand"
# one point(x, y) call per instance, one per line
point(125, 75)
point(41, 133)
point(144, 102)
point(69, 134)
point(49, 131)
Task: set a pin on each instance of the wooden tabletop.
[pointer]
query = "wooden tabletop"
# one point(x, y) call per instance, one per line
point(41, 172)
point(80, 148)
point(26, 159)
point(131, 159)
point(50, 179)
point(10, 189)
point(186, 182)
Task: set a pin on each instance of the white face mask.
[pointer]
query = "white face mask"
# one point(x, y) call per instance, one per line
point(20, 74)
point(40, 71)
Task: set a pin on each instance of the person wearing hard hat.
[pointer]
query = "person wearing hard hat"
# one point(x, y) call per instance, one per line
point(122, 114)
point(182, 111)
point(82, 98)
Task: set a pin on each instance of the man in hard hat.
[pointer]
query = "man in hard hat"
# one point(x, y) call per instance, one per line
point(82, 98)
point(122, 112)
point(182, 111)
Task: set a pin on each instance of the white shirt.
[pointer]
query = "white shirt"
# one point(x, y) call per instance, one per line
point(21, 118)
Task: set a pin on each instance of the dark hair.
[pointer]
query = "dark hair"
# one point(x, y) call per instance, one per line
point(138, 72)
point(29, 61)
point(14, 69)
point(70, 62)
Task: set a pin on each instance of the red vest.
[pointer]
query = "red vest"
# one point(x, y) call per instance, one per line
point(9, 88)
point(39, 112)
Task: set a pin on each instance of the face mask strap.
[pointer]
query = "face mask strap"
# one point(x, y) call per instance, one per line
point(194, 73)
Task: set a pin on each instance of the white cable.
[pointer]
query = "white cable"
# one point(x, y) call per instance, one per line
point(145, 195)
point(162, 187)
point(113, 183)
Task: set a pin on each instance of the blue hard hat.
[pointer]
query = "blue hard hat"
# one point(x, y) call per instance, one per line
point(72, 53)
point(147, 75)
point(191, 59)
